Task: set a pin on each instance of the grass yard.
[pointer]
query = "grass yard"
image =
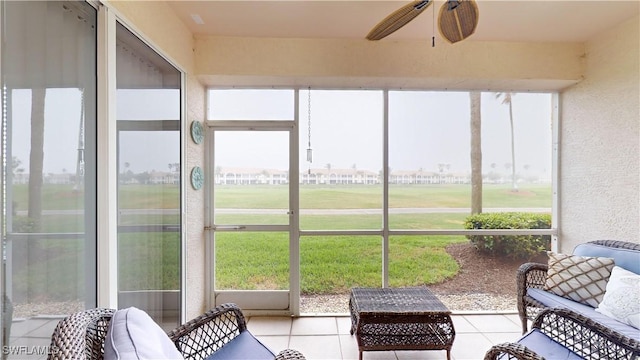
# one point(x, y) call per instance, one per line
point(328, 264)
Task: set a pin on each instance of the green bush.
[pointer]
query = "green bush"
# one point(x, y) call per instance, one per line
point(513, 246)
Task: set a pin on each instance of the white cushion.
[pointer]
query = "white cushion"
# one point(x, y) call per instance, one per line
point(621, 299)
point(133, 334)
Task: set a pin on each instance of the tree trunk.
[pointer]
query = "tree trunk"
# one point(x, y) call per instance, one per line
point(36, 158)
point(476, 153)
point(513, 150)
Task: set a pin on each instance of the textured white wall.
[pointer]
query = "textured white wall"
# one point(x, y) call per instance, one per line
point(195, 266)
point(599, 143)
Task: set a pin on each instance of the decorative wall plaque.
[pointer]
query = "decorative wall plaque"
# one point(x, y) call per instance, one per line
point(197, 177)
point(197, 132)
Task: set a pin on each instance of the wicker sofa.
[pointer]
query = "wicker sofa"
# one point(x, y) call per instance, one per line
point(576, 324)
point(568, 328)
point(559, 333)
point(531, 277)
point(220, 333)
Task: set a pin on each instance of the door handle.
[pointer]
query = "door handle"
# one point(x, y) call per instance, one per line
point(225, 227)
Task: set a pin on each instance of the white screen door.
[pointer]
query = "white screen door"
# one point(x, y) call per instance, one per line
point(252, 233)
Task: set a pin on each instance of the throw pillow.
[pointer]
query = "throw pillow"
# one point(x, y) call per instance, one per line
point(579, 278)
point(620, 300)
point(133, 334)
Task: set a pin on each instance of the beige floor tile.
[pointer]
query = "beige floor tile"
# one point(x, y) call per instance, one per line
point(422, 355)
point(516, 320)
point(326, 347)
point(26, 327)
point(259, 325)
point(27, 348)
point(314, 326)
point(513, 317)
point(498, 338)
point(344, 325)
point(275, 343)
point(379, 355)
point(349, 347)
point(492, 323)
point(470, 346)
point(461, 325)
point(45, 330)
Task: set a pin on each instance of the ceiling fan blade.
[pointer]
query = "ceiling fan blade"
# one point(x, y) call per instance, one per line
point(398, 19)
point(458, 20)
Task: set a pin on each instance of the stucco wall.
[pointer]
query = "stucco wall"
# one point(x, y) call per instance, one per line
point(156, 23)
point(194, 202)
point(599, 143)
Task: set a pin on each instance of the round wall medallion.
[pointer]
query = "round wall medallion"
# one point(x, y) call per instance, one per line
point(197, 177)
point(197, 131)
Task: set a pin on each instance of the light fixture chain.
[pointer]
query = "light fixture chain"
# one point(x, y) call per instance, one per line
point(309, 151)
point(309, 117)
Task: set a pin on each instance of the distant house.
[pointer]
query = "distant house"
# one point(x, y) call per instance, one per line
point(338, 176)
point(250, 176)
point(162, 177)
point(427, 177)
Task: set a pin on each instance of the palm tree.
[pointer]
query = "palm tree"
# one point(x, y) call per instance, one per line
point(36, 157)
point(476, 153)
point(506, 100)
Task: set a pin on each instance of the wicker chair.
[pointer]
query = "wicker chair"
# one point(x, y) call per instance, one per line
point(82, 335)
point(575, 333)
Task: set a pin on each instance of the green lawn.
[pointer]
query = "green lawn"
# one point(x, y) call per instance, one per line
point(329, 264)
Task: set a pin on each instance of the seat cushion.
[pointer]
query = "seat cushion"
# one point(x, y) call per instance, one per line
point(243, 347)
point(133, 334)
point(546, 347)
point(625, 258)
point(552, 300)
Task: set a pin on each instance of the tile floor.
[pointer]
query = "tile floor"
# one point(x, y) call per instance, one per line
point(317, 337)
point(328, 337)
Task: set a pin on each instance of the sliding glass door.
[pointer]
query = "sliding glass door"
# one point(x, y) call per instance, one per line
point(148, 145)
point(48, 169)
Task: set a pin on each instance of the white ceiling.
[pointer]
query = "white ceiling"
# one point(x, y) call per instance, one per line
point(499, 20)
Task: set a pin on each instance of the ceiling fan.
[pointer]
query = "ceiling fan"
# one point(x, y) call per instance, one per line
point(457, 19)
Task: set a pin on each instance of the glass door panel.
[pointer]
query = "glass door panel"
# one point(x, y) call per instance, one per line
point(251, 178)
point(341, 188)
point(251, 218)
point(252, 261)
point(148, 122)
point(48, 178)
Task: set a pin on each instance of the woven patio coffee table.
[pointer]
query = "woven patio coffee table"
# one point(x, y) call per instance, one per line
point(400, 319)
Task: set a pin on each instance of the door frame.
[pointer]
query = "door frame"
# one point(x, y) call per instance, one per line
point(271, 297)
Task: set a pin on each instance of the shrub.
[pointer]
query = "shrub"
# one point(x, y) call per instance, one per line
point(513, 246)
